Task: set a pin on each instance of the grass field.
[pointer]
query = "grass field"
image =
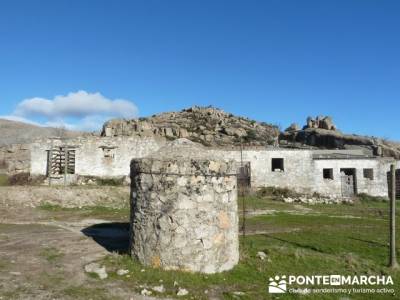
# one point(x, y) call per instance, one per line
point(298, 240)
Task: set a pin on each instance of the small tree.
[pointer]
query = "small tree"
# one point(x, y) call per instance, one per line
point(61, 131)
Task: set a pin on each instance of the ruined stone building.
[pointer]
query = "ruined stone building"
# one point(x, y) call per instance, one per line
point(265, 156)
point(332, 173)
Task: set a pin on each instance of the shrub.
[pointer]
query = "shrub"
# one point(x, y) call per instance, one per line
point(25, 179)
point(3, 164)
point(19, 179)
point(368, 198)
point(275, 192)
point(110, 181)
point(3, 180)
point(251, 135)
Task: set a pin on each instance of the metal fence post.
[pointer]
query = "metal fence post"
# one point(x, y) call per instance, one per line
point(392, 258)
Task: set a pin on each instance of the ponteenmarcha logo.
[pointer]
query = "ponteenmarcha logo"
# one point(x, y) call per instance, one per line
point(277, 285)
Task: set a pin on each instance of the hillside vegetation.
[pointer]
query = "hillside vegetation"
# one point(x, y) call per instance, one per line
point(13, 132)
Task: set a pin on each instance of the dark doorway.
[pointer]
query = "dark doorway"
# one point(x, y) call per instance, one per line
point(398, 183)
point(349, 182)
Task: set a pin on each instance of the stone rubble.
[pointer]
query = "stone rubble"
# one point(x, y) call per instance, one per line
point(159, 289)
point(308, 199)
point(145, 292)
point(122, 272)
point(97, 269)
point(261, 255)
point(182, 292)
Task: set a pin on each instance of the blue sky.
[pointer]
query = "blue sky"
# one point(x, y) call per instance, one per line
point(275, 61)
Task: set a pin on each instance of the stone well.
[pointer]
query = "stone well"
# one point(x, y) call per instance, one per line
point(184, 210)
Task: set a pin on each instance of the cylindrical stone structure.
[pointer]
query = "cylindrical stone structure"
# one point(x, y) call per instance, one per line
point(184, 210)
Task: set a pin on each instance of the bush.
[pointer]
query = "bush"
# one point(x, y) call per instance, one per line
point(3, 180)
point(25, 179)
point(276, 192)
point(110, 181)
point(19, 179)
point(3, 164)
point(368, 198)
point(251, 136)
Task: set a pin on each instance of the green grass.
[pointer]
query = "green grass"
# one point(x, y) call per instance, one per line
point(110, 181)
point(368, 207)
point(15, 293)
point(299, 239)
point(51, 254)
point(84, 292)
point(323, 243)
point(4, 180)
point(253, 202)
point(4, 264)
point(87, 211)
point(50, 280)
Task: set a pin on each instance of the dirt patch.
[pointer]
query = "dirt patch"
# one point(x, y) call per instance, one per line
point(41, 258)
point(70, 196)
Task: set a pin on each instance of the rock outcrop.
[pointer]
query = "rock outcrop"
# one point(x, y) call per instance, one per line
point(292, 127)
point(321, 133)
point(321, 122)
point(206, 125)
point(214, 127)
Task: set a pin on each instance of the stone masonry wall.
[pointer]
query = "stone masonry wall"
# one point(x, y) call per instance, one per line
point(297, 174)
point(15, 159)
point(107, 156)
point(304, 174)
point(97, 156)
point(184, 214)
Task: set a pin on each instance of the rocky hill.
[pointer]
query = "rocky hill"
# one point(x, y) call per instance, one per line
point(207, 125)
point(13, 132)
point(214, 127)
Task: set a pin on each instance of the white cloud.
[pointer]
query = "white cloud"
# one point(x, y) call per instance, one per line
point(87, 110)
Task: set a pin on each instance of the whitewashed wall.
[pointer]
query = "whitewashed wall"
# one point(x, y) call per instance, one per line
point(305, 175)
point(376, 187)
point(90, 156)
point(302, 173)
point(297, 167)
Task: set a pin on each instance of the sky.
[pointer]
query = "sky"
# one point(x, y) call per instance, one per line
point(78, 63)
